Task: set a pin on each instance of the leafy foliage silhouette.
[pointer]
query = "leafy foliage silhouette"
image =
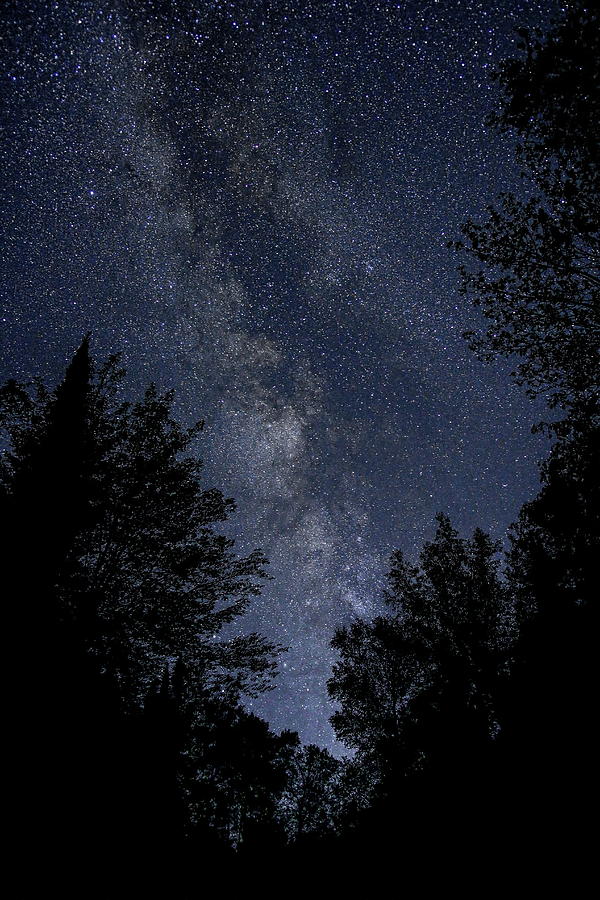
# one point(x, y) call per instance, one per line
point(534, 263)
point(123, 587)
point(468, 703)
point(141, 556)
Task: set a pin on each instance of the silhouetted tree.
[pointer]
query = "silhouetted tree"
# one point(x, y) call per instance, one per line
point(535, 271)
point(47, 485)
point(66, 756)
point(128, 531)
point(547, 744)
point(117, 572)
point(237, 771)
point(308, 805)
point(415, 686)
point(415, 690)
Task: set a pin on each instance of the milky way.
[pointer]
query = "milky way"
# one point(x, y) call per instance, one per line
point(253, 202)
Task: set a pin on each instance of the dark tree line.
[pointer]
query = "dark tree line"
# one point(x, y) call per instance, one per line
point(533, 266)
point(416, 686)
point(474, 697)
point(133, 742)
point(468, 704)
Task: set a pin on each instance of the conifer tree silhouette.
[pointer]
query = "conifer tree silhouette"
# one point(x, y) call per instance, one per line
point(121, 588)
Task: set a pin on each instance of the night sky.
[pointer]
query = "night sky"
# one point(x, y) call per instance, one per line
point(252, 200)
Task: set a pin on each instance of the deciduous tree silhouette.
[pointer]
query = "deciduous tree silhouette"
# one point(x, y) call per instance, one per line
point(535, 262)
point(416, 695)
point(309, 802)
point(124, 525)
point(535, 273)
point(415, 687)
point(548, 744)
point(117, 571)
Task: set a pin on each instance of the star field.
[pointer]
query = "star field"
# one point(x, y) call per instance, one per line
point(253, 201)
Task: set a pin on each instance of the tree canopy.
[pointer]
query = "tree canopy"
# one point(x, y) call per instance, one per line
point(534, 264)
point(406, 681)
point(140, 564)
